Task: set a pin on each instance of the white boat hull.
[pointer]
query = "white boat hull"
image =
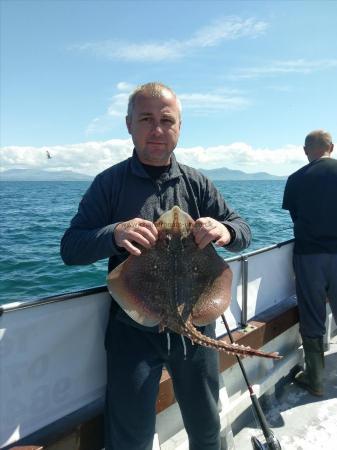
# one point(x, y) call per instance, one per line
point(53, 357)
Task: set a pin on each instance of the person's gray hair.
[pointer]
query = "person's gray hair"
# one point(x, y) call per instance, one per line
point(318, 139)
point(154, 89)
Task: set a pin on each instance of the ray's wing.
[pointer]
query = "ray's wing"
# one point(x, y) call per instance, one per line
point(212, 279)
point(134, 286)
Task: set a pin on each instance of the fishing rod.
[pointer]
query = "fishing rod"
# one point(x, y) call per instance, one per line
point(271, 441)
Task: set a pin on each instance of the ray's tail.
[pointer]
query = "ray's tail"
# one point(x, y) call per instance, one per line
point(232, 349)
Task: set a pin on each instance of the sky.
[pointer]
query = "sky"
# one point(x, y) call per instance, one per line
point(254, 77)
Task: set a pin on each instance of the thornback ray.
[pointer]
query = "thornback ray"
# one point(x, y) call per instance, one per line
point(177, 285)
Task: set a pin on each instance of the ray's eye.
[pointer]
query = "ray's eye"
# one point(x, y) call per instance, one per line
point(195, 269)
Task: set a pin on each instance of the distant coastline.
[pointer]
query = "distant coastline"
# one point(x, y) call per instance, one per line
point(223, 174)
point(42, 175)
point(220, 174)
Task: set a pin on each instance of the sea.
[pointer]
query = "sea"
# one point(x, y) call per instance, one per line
point(35, 214)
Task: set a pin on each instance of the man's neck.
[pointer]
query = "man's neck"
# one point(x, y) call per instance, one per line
point(320, 156)
point(155, 172)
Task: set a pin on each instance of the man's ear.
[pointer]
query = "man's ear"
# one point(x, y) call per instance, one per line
point(331, 148)
point(305, 150)
point(128, 123)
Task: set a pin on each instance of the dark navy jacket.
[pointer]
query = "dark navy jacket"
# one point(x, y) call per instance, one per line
point(310, 196)
point(125, 191)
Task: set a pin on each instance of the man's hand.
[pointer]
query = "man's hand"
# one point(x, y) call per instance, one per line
point(137, 230)
point(207, 230)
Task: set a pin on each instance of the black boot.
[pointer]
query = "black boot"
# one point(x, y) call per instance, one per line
point(311, 378)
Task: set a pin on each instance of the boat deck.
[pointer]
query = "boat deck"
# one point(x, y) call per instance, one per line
point(299, 420)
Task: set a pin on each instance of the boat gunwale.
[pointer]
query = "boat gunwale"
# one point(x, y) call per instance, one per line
point(23, 304)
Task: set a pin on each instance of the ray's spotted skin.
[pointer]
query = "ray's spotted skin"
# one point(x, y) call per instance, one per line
point(177, 285)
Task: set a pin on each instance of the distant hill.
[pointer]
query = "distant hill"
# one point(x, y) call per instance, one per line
point(223, 174)
point(42, 175)
point(220, 174)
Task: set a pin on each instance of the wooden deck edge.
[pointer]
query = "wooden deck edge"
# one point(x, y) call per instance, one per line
point(85, 431)
point(81, 430)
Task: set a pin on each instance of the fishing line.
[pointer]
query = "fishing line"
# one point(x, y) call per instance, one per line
point(279, 230)
point(282, 229)
point(271, 442)
point(291, 227)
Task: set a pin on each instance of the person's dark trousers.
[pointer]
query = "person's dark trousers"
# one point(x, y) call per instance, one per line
point(196, 387)
point(135, 359)
point(316, 280)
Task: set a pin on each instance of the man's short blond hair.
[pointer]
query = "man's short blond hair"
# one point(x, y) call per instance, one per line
point(154, 89)
point(318, 139)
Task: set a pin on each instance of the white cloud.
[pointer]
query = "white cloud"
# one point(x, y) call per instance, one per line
point(214, 34)
point(226, 29)
point(205, 103)
point(116, 109)
point(93, 157)
point(124, 86)
point(197, 103)
point(132, 52)
point(88, 157)
point(285, 67)
point(242, 156)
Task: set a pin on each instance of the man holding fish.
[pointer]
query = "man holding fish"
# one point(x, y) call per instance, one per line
point(115, 219)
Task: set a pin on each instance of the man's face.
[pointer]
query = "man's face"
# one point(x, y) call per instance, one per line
point(155, 127)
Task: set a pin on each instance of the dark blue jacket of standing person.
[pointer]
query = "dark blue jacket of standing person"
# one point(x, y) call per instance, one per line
point(126, 191)
point(310, 196)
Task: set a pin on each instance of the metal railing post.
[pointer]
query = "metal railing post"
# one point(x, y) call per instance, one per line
point(244, 271)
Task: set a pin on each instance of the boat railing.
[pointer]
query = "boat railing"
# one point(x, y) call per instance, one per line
point(53, 357)
point(242, 259)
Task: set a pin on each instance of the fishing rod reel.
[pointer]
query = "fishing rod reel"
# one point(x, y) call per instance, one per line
point(270, 444)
